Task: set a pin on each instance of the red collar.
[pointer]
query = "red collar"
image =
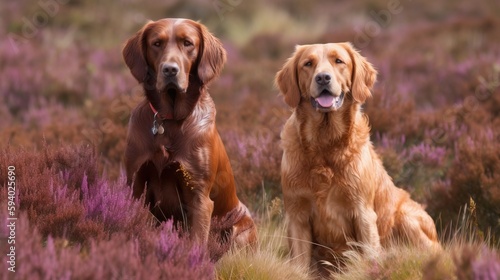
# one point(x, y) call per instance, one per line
point(163, 117)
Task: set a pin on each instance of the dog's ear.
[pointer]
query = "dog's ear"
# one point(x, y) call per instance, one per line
point(363, 75)
point(211, 57)
point(287, 80)
point(134, 56)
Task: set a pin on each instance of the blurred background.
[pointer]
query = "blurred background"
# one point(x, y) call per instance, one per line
point(435, 111)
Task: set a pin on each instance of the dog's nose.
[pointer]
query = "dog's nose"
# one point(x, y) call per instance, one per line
point(170, 69)
point(323, 78)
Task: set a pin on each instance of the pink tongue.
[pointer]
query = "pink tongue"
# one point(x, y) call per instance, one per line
point(325, 100)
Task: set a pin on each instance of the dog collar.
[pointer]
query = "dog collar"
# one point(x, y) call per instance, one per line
point(163, 117)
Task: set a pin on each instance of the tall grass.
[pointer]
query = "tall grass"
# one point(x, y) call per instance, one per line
point(466, 255)
point(271, 259)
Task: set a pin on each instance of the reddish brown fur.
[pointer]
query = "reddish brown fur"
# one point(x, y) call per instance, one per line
point(335, 187)
point(185, 171)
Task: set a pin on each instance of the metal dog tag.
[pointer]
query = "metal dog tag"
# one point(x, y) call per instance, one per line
point(160, 129)
point(154, 129)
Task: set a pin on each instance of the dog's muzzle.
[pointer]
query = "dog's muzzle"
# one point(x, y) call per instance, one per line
point(326, 102)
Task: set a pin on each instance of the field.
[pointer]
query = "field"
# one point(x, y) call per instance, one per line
point(67, 95)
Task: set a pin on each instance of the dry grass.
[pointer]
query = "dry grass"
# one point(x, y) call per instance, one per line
point(270, 260)
point(464, 256)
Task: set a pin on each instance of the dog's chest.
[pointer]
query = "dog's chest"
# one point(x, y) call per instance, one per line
point(328, 173)
point(333, 210)
point(163, 153)
point(332, 217)
point(186, 149)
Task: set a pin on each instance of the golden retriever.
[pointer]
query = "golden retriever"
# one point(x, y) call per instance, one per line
point(174, 151)
point(335, 187)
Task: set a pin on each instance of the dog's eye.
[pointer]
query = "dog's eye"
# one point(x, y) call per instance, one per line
point(338, 61)
point(308, 64)
point(157, 43)
point(187, 43)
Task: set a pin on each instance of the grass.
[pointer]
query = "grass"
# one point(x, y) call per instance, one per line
point(395, 263)
point(464, 256)
point(270, 260)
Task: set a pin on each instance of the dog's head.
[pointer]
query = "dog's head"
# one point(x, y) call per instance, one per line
point(171, 55)
point(324, 75)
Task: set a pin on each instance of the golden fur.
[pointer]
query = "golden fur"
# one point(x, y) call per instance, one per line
point(335, 187)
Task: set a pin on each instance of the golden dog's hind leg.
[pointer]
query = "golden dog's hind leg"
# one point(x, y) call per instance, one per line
point(416, 226)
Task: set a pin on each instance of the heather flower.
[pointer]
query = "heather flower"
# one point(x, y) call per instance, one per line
point(427, 154)
point(111, 204)
point(486, 266)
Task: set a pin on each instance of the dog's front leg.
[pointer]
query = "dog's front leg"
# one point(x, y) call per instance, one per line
point(200, 213)
point(367, 232)
point(297, 211)
point(300, 236)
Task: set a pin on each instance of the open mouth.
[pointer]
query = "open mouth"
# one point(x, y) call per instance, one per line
point(327, 102)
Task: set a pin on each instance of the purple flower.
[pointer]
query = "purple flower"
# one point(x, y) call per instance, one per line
point(486, 266)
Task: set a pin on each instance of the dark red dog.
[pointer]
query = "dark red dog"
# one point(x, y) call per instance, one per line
point(174, 151)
